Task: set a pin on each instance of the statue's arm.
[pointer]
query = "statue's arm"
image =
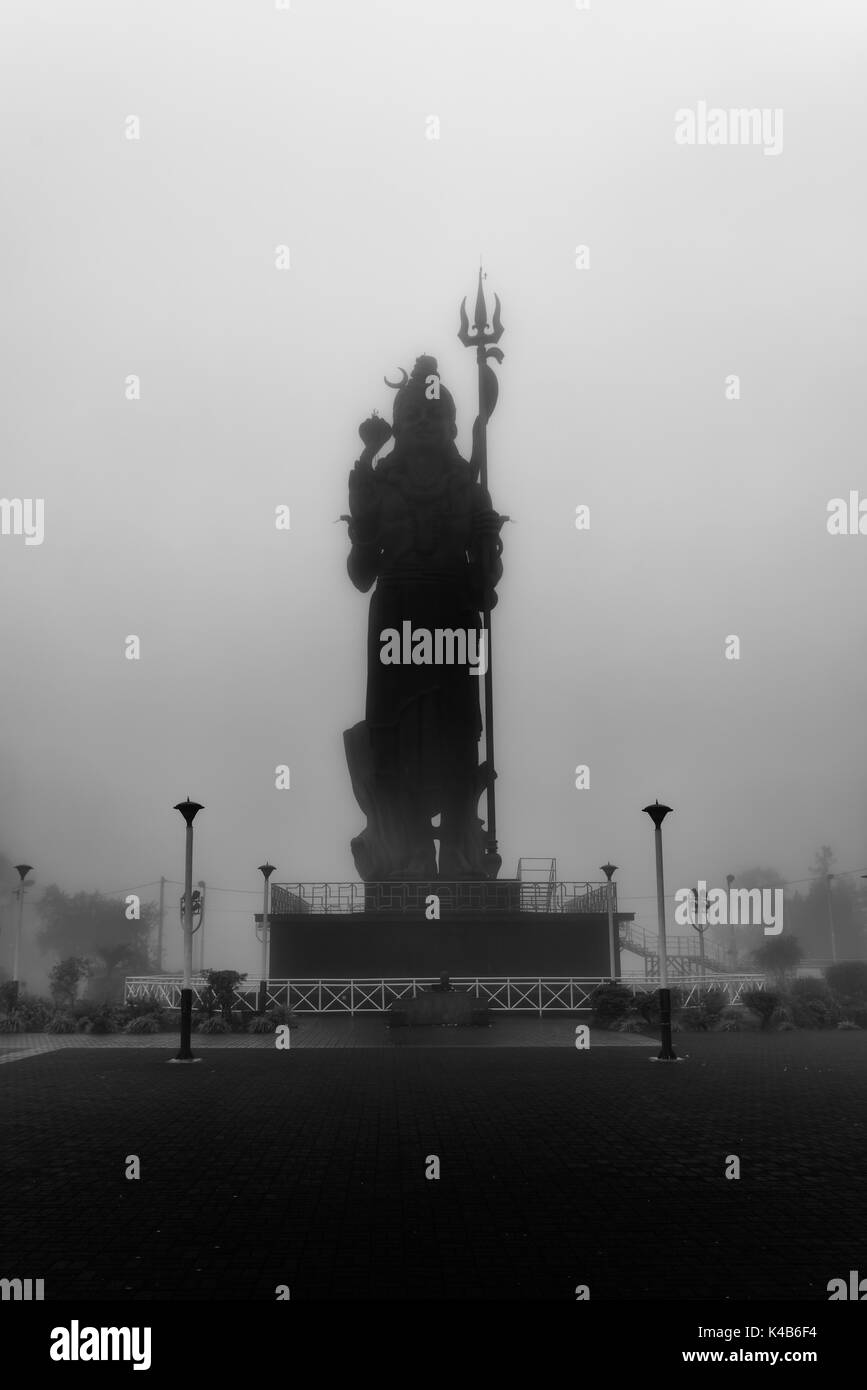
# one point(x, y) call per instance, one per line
point(364, 506)
point(363, 561)
point(486, 549)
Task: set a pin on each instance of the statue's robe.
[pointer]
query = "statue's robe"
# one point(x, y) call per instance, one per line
point(415, 756)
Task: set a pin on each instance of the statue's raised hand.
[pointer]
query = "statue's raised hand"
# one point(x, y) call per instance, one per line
point(374, 432)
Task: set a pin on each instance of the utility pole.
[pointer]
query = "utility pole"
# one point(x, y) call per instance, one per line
point(160, 927)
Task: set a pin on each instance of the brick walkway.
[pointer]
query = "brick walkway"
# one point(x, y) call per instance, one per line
point(558, 1168)
point(334, 1030)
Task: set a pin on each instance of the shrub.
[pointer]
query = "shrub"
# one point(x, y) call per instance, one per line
point(282, 1015)
point(762, 1002)
point(736, 1018)
point(103, 1023)
point(631, 1022)
point(693, 1020)
point(713, 1001)
point(139, 1008)
point(814, 1013)
point(83, 1023)
point(609, 1002)
point(212, 1025)
point(11, 1022)
point(31, 1015)
point(845, 1023)
point(142, 1024)
point(848, 980)
point(61, 1023)
point(261, 1023)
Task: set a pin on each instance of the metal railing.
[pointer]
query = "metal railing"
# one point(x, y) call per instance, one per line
point(511, 993)
point(471, 895)
point(681, 951)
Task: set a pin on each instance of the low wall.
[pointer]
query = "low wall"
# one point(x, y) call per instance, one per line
point(386, 946)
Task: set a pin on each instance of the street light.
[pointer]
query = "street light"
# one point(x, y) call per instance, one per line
point(189, 810)
point(730, 878)
point(701, 929)
point(23, 870)
point(658, 814)
point(609, 871)
point(266, 870)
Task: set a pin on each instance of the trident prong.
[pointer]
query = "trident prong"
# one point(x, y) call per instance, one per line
point(480, 338)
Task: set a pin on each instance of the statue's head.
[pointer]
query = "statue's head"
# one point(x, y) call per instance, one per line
point(424, 411)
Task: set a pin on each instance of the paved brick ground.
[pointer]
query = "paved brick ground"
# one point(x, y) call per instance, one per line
point(335, 1030)
point(306, 1168)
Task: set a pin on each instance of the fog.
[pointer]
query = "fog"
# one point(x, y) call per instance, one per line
point(308, 128)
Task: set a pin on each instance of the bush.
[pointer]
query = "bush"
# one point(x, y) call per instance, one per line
point(103, 1023)
point(284, 1016)
point(142, 1024)
point(735, 1018)
point(693, 1020)
point(762, 1002)
point(11, 1022)
point(610, 1003)
point(713, 1001)
point(261, 1023)
point(139, 1008)
point(848, 980)
point(82, 1023)
point(212, 1025)
point(61, 1023)
point(815, 1013)
point(31, 1016)
point(845, 1023)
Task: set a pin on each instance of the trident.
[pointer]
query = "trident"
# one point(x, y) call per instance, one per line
point(484, 342)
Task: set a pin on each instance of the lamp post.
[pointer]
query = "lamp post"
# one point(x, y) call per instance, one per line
point(23, 870)
point(828, 878)
point(266, 870)
point(189, 810)
point(658, 814)
point(609, 871)
point(730, 878)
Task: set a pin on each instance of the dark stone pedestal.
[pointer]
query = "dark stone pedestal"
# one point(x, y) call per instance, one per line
point(454, 1008)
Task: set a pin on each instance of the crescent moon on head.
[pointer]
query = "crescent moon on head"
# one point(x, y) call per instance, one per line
point(397, 385)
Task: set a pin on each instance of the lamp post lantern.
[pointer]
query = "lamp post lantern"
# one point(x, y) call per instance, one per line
point(189, 810)
point(609, 871)
point(22, 870)
point(657, 814)
point(266, 870)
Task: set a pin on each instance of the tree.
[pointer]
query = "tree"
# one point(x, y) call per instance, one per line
point(112, 959)
point(220, 992)
point(65, 978)
point(778, 956)
point(90, 924)
point(811, 913)
point(748, 878)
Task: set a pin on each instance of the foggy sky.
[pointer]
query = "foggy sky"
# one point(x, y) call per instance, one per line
point(307, 128)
